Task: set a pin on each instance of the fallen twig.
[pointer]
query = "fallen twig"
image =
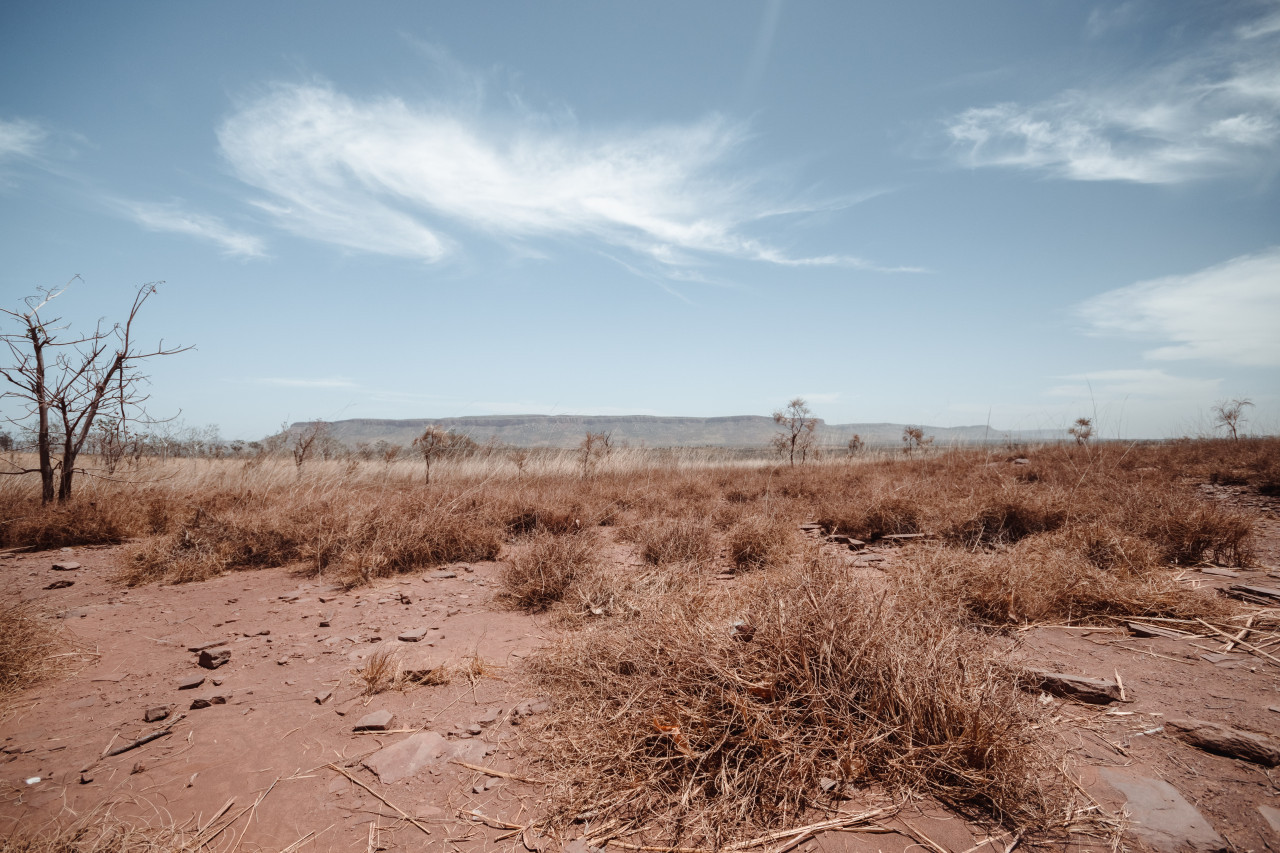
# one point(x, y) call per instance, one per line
point(335, 768)
point(1242, 643)
point(501, 774)
point(496, 823)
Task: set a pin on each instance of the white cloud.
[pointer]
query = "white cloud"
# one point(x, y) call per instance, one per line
point(1214, 112)
point(1229, 312)
point(1109, 385)
point(19, 138)
point(171, 217)
point(385, 176)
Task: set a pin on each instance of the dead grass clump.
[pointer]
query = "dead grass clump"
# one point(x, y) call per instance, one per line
point(27, 646)
point(98, 832)
point(759, 541)
point(710, 718)
point(1045, 578)
point(1008, 517)
point(380, 672)
point(676, 540)
point(1191, 532)
point(626, 593)
point(539, 575)
point(872, 517)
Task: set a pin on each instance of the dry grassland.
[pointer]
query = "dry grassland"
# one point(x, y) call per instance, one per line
point(707, 714)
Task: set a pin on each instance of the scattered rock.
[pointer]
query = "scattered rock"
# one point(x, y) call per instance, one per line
point(190, 682)
point(138, 768)
point(1160, 816)
point(378, 721)
point(290, 596)
point(214, 658)
point(282, 661)
point(1271, 816)
point(326, 621)
point(442, 574)
point(489, 717)
point(60, 584)
point(413, 636)
point(420, 751)
point(1225, 740)
point(1095, 691)
point(65, 566)
point(155, 715)
point(207, 701)
point(323, 697)
point(85, 779)
point(1214, 570)
point(265, 632)
point(474, 729)
point(1241, 590)
point(405, 599)
point(529, 707)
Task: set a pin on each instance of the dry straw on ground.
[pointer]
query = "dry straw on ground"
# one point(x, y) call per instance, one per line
point(29, 649)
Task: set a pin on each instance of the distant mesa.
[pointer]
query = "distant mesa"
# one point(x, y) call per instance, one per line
point(742, 431)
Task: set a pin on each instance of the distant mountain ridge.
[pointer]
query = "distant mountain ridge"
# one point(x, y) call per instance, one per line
point(651, 431)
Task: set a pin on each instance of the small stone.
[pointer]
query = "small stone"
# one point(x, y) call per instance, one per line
point(326, 621)
point(65, 566)
point(216, 682)
point(412, 636)
point(290, 596)
point(282, 661)
point(1160, 816)
point(442, 574)
point(207, 701)
point(474, 729)
point(1222, 573)
point(489, 717)
point(1271, 816)
point(1142, 629)
point(212, 644)
point(214, 658)
point(405, 599)
point(190, 682)
point(138, 768)
point(1225, 740)
point(323, 697)
point(155, 715)
point(85, 779)
point(1095, 691)
point(60, 584)
point(378, 721)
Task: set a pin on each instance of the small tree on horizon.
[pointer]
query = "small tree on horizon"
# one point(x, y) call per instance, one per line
point(913, 438)
point(856, 445)
point(798, 430)
point(1229, 414)
point(431, 444)
point(1081, 430)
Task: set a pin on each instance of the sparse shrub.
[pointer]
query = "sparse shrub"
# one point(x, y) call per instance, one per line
point(873, 518)
point(759, 541)
point(1010, 517)
point(540, 574)
point(26, 647)
point(710, 718)
point(380, 672)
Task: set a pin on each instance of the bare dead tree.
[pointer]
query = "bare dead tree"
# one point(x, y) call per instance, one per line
point(1081, 430)
point(798, 430)
point(593, 446)
point(431, 444)
point(1229, 414)
point(65, 383)
point(856, 445)
point(305, 442)
point(913, 438)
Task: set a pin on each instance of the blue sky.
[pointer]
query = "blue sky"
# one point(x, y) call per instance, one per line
point(919, 212)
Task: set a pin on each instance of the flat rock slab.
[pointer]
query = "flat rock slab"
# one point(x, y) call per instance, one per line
point(1142, 629)
point(419, 752)
point(1225, 740)
point(60, 584)
point(1095, 691)
point(214, 658)
point(212, 644)
point(1161, 817)
point(442, 574)
point(65, 566)
point(1271, 816)
point(207, 701)
point(1222, 573)
point(190, 682)
point(412, 636)
point(155, 715)
point(1261, 591)
point(378, 721)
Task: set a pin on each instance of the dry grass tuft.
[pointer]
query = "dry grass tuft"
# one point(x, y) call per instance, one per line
point(381, 672)
point(677, 540)
point(762, 541)
point(710, 718)
point(27, 647)
point(539, 575)
point(98, 831)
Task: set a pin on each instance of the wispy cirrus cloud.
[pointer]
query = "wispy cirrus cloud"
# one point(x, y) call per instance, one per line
point(387, 176)
point(1109, 385)
point(20, 138)
point(1212, 113)
point(296, 382)
point(172, 217)
point(1229, 312)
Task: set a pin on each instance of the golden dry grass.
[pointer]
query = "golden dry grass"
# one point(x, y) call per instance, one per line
point(28, 646)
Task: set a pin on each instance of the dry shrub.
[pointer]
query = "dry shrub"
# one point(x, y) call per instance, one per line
point(761, 541)
point(363, 539)
point(677, 540)
point(539, 575)
point(1007, 517)
point(1048, 578)
point(1190, 532)
point(625, 592)
point(27, 646)
point(81, 522)
point(710, 718)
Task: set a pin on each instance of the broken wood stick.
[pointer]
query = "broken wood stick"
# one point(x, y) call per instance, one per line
point(335, 768)
point(1244, 632)
point(501, 774)
point(496, 823)
point(1248, 646)
point(142, 741)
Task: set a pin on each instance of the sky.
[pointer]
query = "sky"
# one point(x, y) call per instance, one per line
point(920, 212)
